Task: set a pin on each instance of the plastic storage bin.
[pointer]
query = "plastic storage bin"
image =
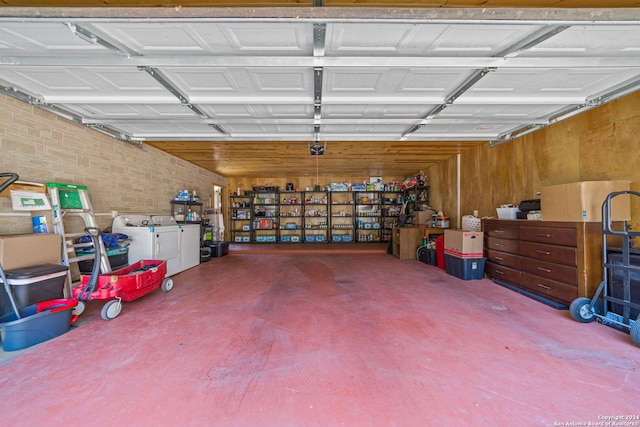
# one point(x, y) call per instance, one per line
point(38, 322)
point(37, 283)
point(440, 258)
point(118, 258)
point(427, 256)
point(507, 213)
point(219, 249)
point(464, 268)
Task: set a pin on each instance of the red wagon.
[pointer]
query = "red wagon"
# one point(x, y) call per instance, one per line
point(125, 284)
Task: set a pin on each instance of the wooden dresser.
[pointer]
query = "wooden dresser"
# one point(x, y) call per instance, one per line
point(559, 261)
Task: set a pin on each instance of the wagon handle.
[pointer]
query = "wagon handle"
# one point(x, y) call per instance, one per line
point(90, 287)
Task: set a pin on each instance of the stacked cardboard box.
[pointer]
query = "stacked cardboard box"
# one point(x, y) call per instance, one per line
point(463, 254)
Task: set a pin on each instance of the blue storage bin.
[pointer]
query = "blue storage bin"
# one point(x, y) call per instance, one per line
point(37, 323)
point(464, 268)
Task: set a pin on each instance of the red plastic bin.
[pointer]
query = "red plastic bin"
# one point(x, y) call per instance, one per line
point(440, 251)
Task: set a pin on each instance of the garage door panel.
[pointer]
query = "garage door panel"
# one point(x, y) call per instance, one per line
point(446, 131)
point(376, 111)
point(207, 85)
point(556, 85)
point(429, 86)
point(590, 41)
point(404, 39)
point(48, 38)
point(83, 84)
point(228, 38)
point(130, 111)
point(157, 130)
point(498, 112)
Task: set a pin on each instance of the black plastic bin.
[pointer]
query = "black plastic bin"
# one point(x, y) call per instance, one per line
point(30, 285)
point(218, 249)
point(118, 258)
point(427, 256)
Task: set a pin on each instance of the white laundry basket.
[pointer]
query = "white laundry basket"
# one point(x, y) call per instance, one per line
point(471, 223)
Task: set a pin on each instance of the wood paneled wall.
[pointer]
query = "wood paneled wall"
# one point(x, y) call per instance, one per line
point(601, 144)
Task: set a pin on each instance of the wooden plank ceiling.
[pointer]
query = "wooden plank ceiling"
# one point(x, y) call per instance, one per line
point(342, 159)
point(392, 140)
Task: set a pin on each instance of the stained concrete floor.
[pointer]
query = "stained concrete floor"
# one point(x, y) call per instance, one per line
point(298, 339)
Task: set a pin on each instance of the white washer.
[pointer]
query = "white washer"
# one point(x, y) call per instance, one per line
point(151, 240)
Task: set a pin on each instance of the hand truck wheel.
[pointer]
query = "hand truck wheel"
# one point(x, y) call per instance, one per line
point(635, 332)
point(582, 311)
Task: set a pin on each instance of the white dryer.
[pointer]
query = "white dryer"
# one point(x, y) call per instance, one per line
point(151, 239)
point(188, 241)
point(189, 245)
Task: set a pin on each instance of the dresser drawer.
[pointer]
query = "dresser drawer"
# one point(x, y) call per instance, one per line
point(551, 235)
point(503, 258)
point(501, 230)
point(558, 254)
point(551, 289)
point(504, 245)
point(549, 270)
point(500, 272)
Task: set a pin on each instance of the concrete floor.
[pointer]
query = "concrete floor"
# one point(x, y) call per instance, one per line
point(301, 339)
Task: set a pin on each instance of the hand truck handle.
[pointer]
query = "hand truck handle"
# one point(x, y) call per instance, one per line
point(606, 212)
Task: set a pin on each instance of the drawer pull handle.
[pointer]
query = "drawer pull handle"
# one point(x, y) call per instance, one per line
point(546, 270)
point(544, 235)
point(544, 286)
point(499, 258)
point(499, 244)
point(500, 272)
point(498, 231)
point(543, 252)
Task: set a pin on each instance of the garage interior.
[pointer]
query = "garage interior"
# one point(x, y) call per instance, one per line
point(492, 100)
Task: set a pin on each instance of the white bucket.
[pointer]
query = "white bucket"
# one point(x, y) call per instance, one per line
point(442, 222)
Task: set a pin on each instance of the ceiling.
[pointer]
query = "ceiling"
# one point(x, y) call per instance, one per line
point(246, 91)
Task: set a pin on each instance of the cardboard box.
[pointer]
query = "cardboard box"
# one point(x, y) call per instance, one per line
point(463, 244)
point(423, 218)
point(582, 201)
point(26, 250)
